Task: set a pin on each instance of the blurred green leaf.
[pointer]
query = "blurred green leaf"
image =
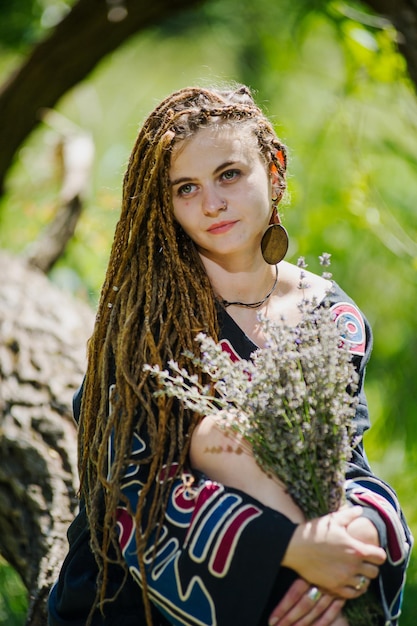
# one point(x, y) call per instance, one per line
point(13, 597)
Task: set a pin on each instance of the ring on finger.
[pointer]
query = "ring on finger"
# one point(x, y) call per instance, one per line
point(314, 594)
point(361, 584)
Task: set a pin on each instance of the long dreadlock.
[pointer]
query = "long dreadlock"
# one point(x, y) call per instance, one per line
point(155, 297)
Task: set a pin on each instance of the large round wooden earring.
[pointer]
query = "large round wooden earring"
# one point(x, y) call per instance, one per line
point(274, 244)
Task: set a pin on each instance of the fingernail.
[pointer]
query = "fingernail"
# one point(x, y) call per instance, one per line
point(273, 621)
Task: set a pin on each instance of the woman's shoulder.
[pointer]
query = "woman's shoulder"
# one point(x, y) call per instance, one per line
point(297, 283)
point(301, 282)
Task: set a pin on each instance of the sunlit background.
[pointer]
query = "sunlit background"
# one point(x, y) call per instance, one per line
point(338, 94)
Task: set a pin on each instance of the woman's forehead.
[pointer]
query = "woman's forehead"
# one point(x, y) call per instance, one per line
point(221, 138)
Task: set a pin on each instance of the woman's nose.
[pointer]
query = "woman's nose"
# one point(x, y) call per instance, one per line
point(213, 203)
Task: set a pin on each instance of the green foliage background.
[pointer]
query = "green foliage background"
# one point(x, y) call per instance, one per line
point(339, 96)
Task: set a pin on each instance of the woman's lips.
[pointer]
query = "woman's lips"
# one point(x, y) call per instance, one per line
point(221, 227)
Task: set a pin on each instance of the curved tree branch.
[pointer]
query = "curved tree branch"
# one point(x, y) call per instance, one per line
point(65, 58)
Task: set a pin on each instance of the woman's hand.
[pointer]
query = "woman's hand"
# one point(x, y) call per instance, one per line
point(363, 529)
point(304, 604)
point(300, 606)
point(326, 553)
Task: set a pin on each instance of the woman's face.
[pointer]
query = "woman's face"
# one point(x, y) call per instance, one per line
point(221, 191)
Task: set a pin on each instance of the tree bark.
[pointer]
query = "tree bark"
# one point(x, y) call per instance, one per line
point(65, 58)
point(43, 335)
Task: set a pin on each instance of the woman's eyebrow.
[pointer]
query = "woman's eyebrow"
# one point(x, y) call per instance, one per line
point(184, 179)
point(223, 165)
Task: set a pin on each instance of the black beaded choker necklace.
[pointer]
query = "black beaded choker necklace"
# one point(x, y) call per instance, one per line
point(254, 305)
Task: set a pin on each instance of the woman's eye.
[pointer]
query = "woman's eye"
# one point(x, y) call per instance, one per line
point(186, 189)
point(230, 174)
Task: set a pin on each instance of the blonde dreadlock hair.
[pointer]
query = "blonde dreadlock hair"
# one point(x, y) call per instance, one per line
point(155, 297)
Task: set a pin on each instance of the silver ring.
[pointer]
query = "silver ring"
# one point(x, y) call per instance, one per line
point(361, 584)
point(314, 594)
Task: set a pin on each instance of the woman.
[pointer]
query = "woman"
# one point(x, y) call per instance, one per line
point(190, 253)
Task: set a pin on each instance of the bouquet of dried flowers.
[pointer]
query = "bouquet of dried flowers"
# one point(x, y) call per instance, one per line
point(293, 402)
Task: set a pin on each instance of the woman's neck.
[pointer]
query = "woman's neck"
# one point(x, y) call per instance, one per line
point(242, 283)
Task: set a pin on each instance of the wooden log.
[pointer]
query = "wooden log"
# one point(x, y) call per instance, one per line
point(43, 334)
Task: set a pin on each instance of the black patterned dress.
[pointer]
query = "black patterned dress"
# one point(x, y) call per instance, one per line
point(218, 558)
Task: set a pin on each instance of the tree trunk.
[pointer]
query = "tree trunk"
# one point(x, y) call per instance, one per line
point(43, 335)
point(403, 15)
point(65, 58)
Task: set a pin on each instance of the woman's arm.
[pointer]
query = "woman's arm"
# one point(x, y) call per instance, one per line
point(321, 551)
point(227, 458)
point(378, 499)
point(370, 528)
point(218, 553)
point(382, 521)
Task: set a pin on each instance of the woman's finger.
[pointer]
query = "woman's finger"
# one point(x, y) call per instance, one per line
point(369, 570)
point(333, 615)
point(292, 596)
point(359, 586)
point(303, 605)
